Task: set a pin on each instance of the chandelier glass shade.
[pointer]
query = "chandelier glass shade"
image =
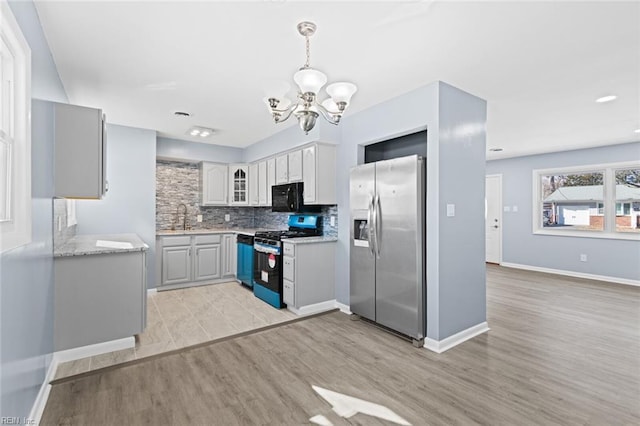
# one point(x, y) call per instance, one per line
point(310, 82)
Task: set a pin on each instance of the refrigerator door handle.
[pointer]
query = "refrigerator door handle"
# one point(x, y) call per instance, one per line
point(375, 228)
point(369, 224)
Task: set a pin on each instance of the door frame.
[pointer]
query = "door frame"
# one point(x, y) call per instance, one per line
point(500, 220)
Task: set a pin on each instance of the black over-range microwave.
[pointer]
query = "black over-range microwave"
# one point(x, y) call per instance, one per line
point(287, 197)
point(290, 198)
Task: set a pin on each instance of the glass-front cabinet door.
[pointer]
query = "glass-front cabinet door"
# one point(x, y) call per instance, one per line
point(239, 181)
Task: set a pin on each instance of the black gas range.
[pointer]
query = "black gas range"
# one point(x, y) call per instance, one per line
point(267, 259)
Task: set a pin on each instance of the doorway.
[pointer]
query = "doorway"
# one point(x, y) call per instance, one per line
point(493, 218)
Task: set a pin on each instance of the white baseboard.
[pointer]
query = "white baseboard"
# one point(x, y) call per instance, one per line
point(346, 309)
point(440, 346)
point(314, 309)
point(93, 350)
point(43, 395)
point(572, 274)
point(151, 291)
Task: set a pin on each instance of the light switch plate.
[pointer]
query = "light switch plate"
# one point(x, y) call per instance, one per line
point(514, 209)
point(227, 217)
point(451, 210)
point(199, 218)
point(507, 208)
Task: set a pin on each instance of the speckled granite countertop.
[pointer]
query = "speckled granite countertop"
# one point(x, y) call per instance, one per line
point(82, 245)
point(208, 231)
point(310, 240)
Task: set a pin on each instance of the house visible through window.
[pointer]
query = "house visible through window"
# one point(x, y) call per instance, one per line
point(573, 201)
point(627, 199)
point(602, 200)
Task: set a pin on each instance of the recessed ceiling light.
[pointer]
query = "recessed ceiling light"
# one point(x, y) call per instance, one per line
point(181, 114)
point(637, 131)
point(495, 149)
point(202, 132)
point(607, 98)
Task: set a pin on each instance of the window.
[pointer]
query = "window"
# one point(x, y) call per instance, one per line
point(15, 133)
point(627, 182)
point(591, 201)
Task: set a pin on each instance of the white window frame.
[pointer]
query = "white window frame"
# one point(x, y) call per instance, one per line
point(609, 200)
point(15, 231)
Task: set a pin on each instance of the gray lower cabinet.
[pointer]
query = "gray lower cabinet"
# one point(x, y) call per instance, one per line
point(308, 273)
point(229, 255)
point(207, 262)
point(99, 298)
point(176, 265)
point(195, 258)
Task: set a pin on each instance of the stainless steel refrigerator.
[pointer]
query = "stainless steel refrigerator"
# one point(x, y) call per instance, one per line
point(387, 279)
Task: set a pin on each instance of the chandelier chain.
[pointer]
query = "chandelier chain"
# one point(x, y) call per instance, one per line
point(306, 65)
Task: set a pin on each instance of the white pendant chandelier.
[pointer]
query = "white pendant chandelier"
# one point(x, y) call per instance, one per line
point(310, 81)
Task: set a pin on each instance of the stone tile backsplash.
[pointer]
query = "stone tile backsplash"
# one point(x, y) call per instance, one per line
point(178, 182)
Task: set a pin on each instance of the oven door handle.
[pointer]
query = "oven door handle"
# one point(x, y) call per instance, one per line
point(267, 250)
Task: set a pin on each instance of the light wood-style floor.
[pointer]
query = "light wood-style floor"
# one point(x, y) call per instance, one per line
point(560, 351)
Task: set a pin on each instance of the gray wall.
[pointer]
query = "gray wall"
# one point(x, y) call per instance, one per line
point(290, 137)
point(45, 81)
point(455, 174)
point(173, 149)
point(455, 123)
point(129, 205)
point(26, 273)
point(26, 277)
point(612, 258)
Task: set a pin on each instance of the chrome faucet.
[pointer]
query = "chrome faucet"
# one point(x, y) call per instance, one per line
point(184, 217)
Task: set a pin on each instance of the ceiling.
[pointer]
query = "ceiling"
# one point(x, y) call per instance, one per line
point(540, 65)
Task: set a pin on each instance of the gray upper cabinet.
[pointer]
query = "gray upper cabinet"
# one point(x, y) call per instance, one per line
point(295, 166)
point(239, 184)
point(254, 196)
point(319, 173)
point(271, 178)
point(80, 152)
point(213, 184)
point(289, 167)
point(282, 170)
point(262, 183)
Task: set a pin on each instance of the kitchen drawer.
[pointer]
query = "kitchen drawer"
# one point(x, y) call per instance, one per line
point(289, 249)
point(288, 268)
point(176, 241)
point(208, 239)
point(288, 292)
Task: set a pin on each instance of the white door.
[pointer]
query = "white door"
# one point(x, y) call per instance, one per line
point(493, 218)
